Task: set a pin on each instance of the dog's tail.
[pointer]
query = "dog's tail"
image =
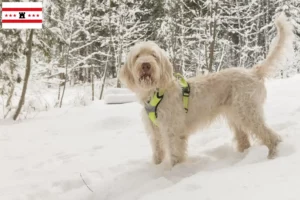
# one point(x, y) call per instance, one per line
point(278, 51)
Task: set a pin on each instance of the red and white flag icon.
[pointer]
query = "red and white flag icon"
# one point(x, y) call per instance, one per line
point(22, 15)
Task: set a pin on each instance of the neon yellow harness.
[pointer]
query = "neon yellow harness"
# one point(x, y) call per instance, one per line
point(152, 105)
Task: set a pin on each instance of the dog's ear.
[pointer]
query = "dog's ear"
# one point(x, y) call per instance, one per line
point(126, 77)
point(166, 70)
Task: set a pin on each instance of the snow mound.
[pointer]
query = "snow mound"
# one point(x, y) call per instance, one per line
point(119, 95)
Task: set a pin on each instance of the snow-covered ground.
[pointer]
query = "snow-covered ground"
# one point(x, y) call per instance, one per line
point(46, 157)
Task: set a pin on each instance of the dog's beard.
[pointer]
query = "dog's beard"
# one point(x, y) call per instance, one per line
point(145, 77)
point(147, 80)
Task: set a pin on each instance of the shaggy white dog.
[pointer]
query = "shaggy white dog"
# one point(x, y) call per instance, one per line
point(237, 94)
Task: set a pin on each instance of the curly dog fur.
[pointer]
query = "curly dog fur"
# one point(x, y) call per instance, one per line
point(237, 94)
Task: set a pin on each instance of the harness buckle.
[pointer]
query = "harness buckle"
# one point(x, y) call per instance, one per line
point(186, 91)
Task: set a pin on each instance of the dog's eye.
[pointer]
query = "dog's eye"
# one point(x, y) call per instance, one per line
point(136, 57)
point(154, 55)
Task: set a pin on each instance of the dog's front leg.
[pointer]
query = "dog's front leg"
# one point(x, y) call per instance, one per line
point(156, 140)
point(177, 145)
point(157, 146)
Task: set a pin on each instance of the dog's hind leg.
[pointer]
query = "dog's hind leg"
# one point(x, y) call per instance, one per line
point(252, 119)
point(240, 136)
point(267, 136)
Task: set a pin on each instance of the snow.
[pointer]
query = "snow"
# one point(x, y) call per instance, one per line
point(119, 95)
point(45, 157)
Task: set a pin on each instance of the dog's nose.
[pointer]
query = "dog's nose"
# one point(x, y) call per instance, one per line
point(146, 66)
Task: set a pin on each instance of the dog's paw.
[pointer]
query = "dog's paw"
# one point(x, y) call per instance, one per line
point(157, 159)
point(272, 153)
point(176, 160)
point(273, 150)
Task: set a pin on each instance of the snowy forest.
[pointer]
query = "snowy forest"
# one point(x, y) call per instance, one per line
point(83, 44)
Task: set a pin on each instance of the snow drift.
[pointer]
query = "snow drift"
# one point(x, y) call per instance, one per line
point(119, 95)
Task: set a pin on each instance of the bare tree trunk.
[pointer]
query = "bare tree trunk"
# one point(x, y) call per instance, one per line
point(263, 24)
point(213, 28)
point(199, 54)
point(258, 31)
point(199, 67)
point(266, 30)
point(121, 19)
point(113, 67)
point(221, 60)
point(93, 83)
point(104, 75)
point(109, 49)
point(8, 102)
point(67, 63)
point(239, 35)
point(205, 46)
point(182, 40)
point(119, 65)
point(27, 74)
point(93, 69)
point(71, 77)
point(58, 96)
point(12, 82)
point(87, 76)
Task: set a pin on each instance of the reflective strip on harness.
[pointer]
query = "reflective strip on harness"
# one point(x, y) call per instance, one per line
point(185, 91)
point(152, 105)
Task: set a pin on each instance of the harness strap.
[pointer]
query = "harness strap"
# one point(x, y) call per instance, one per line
point(185, 91)
point(151, 106)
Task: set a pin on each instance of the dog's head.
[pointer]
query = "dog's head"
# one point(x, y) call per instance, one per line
point(147, 67)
